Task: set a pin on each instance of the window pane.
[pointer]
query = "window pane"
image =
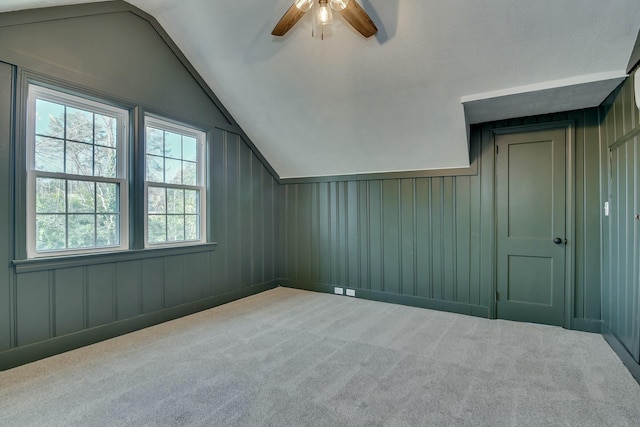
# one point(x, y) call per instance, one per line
point(49, 119)
point(189, 149)
point(154, 141)
point(190, 173)
point(74, 147)
point(50, 195)
point(175, 201)
point(172, 145)
point(173, 171)
point(50, 232)
point(79, 125)
point(49, 154)
point(157, 228)
point(105, 162)
point(175, 227)
point(155, 169)
point(82, 230)
point(191, 201)
point(81, 197)
point(106, 130)
point(79, 158)
point(157, 201)
point(173, 214)
point(107, 197)
point(191, 224)
point(108, 226)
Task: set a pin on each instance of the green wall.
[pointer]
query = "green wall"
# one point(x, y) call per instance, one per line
point(422, 240)
point(6, 78)
point(429, 241)
point(115, 51)
point(621, 231)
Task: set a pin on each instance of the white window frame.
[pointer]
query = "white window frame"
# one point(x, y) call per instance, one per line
point(39, 92)
point(200, 136)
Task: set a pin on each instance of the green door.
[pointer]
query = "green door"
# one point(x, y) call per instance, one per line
point(531, 203)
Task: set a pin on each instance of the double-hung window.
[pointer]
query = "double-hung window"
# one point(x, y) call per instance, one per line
point(76, 175)
point(174, 184)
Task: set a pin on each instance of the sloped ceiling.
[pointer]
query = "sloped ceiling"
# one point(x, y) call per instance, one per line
point(403, 99)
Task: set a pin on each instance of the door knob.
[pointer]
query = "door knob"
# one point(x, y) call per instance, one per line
point(557, 241)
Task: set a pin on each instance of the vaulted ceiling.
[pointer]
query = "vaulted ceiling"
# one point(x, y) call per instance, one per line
point(404, 99)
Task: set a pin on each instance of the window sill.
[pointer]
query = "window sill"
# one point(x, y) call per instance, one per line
point(70, 261)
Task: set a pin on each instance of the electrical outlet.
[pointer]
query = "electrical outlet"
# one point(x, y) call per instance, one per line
point(338, 291)
point(351, 292)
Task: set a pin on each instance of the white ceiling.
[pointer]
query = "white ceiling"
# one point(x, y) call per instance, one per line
point(394, 102)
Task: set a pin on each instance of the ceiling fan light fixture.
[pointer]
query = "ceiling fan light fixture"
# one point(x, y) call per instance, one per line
point(304, 5)
point(322, 13)
point(325, 16)
point(339, 5)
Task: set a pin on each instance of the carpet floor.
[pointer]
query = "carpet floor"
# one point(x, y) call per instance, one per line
point(287, 357)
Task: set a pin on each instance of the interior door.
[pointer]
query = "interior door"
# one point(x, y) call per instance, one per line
point(530, 224)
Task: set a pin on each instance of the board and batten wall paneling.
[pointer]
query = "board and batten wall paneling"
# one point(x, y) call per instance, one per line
point(587, 219)
point(411, 237)
point(429, 241)
point(620, 132)
point(244, 204)
point(256, 237)
point(244, 215)
point(50, 305)
point(267, 218)
point(623, 295)
point(174, 280)
point(197, 276)
point(33, 307)
point(69, 298)
point(231, 207)
point(128, 289)
point(101, 286)
point(6, 226)
point(152, 285)
point(396, 236)
point(58, 301)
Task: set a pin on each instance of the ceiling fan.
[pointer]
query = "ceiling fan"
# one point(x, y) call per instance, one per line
point(351, 11)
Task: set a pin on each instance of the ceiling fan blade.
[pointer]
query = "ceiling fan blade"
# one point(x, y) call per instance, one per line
point(287, 21)
point(358, 18)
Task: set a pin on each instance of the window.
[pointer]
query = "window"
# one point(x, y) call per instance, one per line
point(76, 175)
point(175, 184)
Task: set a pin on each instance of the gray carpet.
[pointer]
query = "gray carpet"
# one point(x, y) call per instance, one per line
point(295, 358)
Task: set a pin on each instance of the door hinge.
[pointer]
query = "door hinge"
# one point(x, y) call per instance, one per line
point(497, 296)
point(497, 149)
